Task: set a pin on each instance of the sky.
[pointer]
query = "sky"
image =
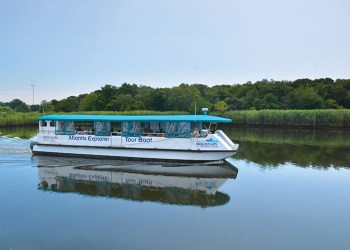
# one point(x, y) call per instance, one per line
point(72, 47)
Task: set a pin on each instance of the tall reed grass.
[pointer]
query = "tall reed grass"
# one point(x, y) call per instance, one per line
point(333, 118)
point(18, 119)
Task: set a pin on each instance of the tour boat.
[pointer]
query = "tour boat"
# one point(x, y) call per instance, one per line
point(183, 138)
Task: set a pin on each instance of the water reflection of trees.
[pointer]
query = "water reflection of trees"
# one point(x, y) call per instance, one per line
point(291, 136)
point(273, 154)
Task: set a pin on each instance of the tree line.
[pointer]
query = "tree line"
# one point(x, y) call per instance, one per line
point(323, 93)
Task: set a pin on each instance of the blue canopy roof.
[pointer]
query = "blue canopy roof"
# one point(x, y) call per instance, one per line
point(136, 118)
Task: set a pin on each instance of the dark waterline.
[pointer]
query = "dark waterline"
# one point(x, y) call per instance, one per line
point(291, 192)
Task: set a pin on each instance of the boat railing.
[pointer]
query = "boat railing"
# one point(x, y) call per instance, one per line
point(84, 132)
point(153, 134)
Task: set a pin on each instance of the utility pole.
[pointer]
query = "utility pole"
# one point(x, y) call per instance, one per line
point(33, 85)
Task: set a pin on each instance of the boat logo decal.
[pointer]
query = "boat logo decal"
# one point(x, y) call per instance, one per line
point(48, 137)
point(209, 143)
point(211, 140)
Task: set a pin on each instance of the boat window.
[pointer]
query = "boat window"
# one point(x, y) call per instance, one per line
point(185, 129)
point(161, 127)
point(116, 128)
point(102, 128)
point(132, 129)
point(60, 125)
point(70, 129)
point(125, 128)
point(196, 125)
point(179, 129)
point(146, 128)
point(65, 128)
point(135, 129)
point(171, 129)
point(84, 127)
point(157, 127)
point(152, 128)
point(52, 124)
point(43, 123)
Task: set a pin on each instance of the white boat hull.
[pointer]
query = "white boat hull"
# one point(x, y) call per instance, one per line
point(134, 153)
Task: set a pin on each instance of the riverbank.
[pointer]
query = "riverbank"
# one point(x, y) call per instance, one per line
point(18, 119)
point(320, 118)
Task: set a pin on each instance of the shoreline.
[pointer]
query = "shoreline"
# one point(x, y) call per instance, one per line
point(281, 119)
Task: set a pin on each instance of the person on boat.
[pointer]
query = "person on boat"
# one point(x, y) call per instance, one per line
point(196, 133)
point(113, 132)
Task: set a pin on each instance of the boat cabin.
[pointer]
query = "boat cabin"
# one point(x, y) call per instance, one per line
point(171, 126)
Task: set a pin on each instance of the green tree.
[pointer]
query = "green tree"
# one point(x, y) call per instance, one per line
point(91, 102)
point(70, 104)
point(181, 98)
point(121, 103)
point(128, 89)
point(46, 106)
point(221, 106)
point(306, 98)
point(18, 105)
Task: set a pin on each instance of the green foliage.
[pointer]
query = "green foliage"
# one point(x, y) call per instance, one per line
point(265, 94)
point(221, 106)
point(182, 98)
point(19, 106)
point(18, 119)
point(302, 94)
point(306, 98)
point(89, 102)
point(6, 109)
point(339, 118)
point(292, 136)
point(69, 104)
point(46, 106)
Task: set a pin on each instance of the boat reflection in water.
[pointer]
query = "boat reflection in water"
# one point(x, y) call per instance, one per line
point(195, 185)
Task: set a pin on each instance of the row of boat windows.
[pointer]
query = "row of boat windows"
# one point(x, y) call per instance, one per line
point(131, 129)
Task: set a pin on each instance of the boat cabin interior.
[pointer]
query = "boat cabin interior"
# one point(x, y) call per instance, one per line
point(172, 129)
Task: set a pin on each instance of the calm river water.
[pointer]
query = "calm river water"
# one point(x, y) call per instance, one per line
point(291, 191)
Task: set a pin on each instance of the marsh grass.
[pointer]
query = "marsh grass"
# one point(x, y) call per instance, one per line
point(328, 118)
point(18, 119)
